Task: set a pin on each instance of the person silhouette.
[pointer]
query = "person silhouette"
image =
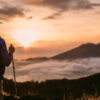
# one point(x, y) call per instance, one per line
point(6, 57)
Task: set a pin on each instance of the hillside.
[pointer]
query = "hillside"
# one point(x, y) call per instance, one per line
point(57, 88)
point(83, 51)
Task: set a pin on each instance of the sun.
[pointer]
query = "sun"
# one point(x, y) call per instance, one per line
point(26, 37)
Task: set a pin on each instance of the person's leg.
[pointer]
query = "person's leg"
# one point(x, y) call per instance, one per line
point(1, 89)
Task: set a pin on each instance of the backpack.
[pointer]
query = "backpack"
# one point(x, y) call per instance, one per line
point(2, 67)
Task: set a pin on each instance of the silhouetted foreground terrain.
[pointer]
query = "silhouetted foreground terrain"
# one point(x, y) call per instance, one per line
point(55, 89)
point(24, 98)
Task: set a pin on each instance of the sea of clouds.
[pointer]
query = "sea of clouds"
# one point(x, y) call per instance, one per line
point(52, 69)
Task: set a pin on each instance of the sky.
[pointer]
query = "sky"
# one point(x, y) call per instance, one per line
point(48, 27)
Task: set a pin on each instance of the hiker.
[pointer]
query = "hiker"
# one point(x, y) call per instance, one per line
point(6, 57)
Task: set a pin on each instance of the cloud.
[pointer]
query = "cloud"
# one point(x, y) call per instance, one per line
point(55, 69)
point(53, 16)
point(30, 17)
point(2, 18)
point(7, 12)
point(96, 5)
point(63, 4)
point(1, 22)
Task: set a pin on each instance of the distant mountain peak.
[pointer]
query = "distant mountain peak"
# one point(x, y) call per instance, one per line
point(89, 45)
point(83, 51)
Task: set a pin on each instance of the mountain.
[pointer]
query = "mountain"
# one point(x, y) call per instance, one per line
point(83, 51)
point(38, 59)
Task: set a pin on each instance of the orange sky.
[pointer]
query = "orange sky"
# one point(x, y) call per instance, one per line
point(49, 27)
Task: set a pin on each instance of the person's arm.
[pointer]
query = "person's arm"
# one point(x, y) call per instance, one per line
point(6, 56)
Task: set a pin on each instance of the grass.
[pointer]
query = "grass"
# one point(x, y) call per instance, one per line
point(89, 97)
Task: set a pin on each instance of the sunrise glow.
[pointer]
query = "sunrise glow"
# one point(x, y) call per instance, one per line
point(49, 27)
point(26, 37)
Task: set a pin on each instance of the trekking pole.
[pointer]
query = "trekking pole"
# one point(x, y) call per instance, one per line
point(14, 73)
